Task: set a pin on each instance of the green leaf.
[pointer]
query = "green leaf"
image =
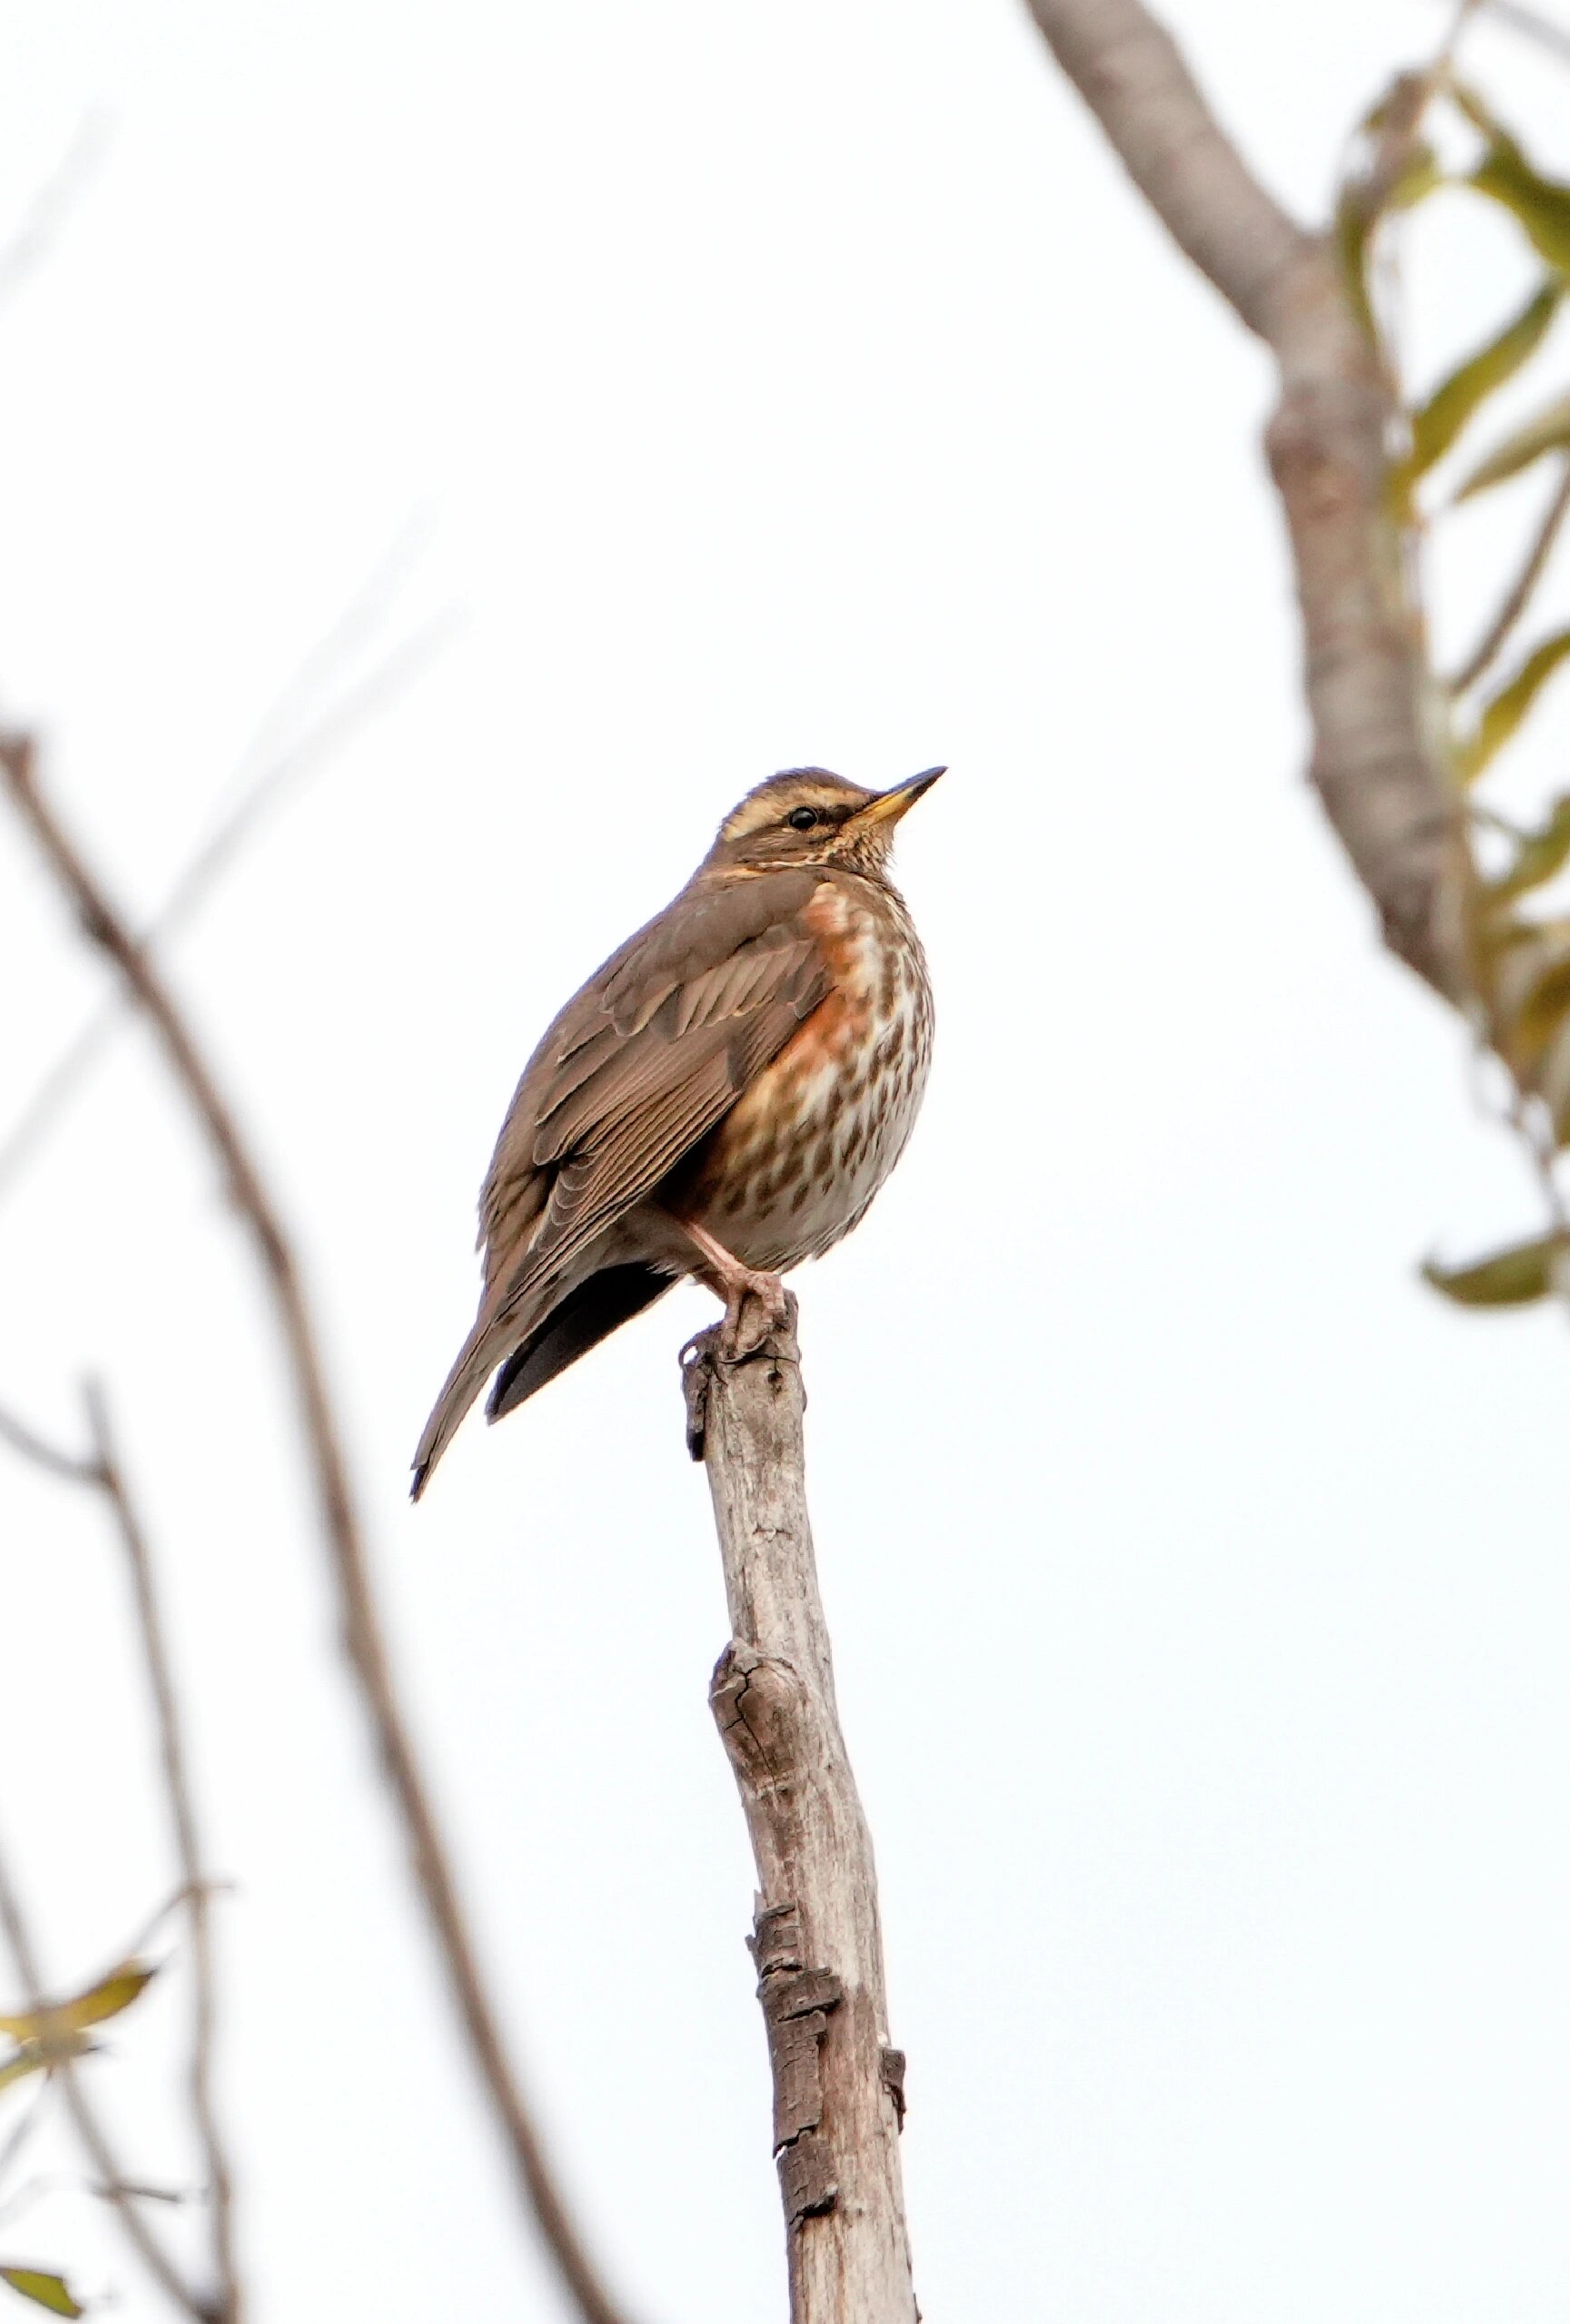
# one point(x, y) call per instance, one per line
point(1454, 401)
point(1548, 432)
point(107, 1998)
point(1504, 712)
point(49, 2292)
point(1540, 205)
point(1538, 856)
point(1510, 1279)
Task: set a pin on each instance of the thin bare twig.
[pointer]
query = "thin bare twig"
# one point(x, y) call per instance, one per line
point(1490, 645)
point(258, 795)
point(33, 1447)
point(229, 2305)
point(1532, 23)
point(15, 2140)
point(363, 1640)
point(116, 2187)
point(101, 1472)
point(41, 220)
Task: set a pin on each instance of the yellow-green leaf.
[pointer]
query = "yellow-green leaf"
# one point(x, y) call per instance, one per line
point(1540, 205)
point(107, 1998)
point(28, 2059)
point(1504, 712)
point(1510, 1279)
point(1549, 431)
point(48, 2292)
point(1541, 1012)
point(1357, 217)
point(1454, 401)
point(1538, 856)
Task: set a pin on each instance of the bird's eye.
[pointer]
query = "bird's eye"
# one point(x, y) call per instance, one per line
point(801, 818)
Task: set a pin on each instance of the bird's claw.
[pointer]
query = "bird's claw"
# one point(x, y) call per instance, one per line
point(755, 1305)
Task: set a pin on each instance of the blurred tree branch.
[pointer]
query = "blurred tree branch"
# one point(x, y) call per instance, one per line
point(100, 1471)
point(113, 2184)
point(107, 1475)
point(362, 1631)
point(33, 236)
point(838, 2085)
point(1375, 763)
point(1497, 637)
point(268, 766)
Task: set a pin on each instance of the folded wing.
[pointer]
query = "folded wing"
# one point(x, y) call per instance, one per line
point(638, 1068)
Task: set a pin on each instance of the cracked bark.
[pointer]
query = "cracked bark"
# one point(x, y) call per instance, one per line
point(1380, 776)
point(838, 2085)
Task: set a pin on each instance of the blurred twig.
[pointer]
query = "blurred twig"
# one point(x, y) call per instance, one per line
point(1531, 23)
point(107, 1475)
point(116, 2187)
point(267, 769)
point(1489, 645)
point(32, 1447)
point(101, 1472)
point(361, 1626)
point(41, 220)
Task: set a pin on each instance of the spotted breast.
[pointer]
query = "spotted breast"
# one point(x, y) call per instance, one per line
point(797, 1161)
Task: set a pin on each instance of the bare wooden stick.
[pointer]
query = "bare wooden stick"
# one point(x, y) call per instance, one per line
point(1380, 779)
point(363, 1640)
point(838, 2085)
point(229, 2305)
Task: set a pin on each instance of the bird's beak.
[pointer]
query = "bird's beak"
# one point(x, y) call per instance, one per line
point(890, 805)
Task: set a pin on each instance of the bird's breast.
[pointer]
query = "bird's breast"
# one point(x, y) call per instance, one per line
point(803, 1151)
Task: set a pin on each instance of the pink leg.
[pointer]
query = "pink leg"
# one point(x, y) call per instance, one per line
point(736, 1284)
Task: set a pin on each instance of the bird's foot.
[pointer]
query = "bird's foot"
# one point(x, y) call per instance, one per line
point(755, 1305)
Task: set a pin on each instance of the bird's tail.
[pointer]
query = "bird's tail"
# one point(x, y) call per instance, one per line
point(497, 1330)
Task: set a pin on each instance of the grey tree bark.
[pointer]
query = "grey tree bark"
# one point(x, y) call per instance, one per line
point(838, 2085)
point(1376, 764)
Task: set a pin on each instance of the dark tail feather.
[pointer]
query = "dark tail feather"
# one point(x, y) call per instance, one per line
point(585, 1318)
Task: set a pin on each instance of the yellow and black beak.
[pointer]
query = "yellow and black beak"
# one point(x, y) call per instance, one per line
point(890, 805)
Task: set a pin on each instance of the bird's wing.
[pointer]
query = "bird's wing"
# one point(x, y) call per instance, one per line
point(657, 1046)
point(646, 1059)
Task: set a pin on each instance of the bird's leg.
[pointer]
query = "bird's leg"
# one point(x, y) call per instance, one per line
point(735, 1284)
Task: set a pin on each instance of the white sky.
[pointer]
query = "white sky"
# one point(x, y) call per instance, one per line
point(775, 386)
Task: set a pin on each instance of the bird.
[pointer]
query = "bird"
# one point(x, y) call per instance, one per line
point(722, 1098)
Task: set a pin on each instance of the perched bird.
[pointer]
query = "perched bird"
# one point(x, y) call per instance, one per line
point(722, 1099)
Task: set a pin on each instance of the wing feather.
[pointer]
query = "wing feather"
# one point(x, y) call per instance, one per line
point(641, 1065)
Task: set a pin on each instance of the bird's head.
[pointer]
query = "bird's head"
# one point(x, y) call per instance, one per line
point(809, 816)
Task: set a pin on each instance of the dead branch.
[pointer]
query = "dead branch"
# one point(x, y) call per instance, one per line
point(114, 2185)
point(1381, 782)
point(838, 2085)
point(364, 1639)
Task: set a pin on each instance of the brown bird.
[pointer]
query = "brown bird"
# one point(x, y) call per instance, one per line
point(722, 1099)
